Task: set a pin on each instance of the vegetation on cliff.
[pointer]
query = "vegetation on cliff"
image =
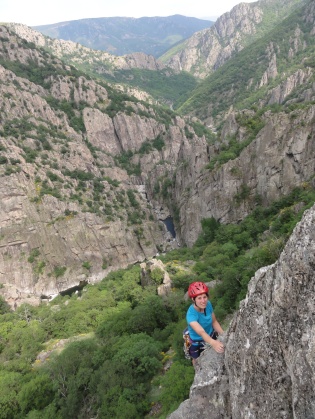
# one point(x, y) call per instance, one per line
point(114, 349)
point(229, 87)
point(207, 50)
point(164, 85)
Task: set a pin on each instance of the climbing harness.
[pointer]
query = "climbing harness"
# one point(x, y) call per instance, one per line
point(187, 343)
point(200, 345)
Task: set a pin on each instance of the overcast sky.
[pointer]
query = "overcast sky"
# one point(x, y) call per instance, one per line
point(41, 12)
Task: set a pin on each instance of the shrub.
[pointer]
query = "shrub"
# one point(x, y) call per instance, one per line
point(59, 271)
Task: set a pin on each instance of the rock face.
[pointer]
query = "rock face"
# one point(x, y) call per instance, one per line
point(282, 156)
point(51, 246)
point(52, 213)
point(209, 49)
point(139, 60)
point(163, 278)
point(268, 369)
point(75, 187)
point(65, 215)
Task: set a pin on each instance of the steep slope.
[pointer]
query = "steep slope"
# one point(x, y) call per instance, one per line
point(261, 153)
point(138, 70)
point(281, 157)
point(79, 54)
point(268, 368)
point(282, 65)
point(125, 35)
point(181, 168)
point(73, 152)
point(209, 49)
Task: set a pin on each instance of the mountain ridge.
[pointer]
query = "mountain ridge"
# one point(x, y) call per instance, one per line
point(278, 61)
point(209, 49)
point(124, 35)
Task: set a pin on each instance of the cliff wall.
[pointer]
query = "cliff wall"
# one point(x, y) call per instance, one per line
point(207, 50)
point(281, 157)
point(88, 176)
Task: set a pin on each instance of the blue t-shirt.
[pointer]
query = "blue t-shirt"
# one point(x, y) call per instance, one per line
point(204, 319)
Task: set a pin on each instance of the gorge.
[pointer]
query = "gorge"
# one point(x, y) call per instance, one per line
point(113, 197)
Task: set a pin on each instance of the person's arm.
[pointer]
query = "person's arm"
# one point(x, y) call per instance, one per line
point(216, 325)
point(216, 344)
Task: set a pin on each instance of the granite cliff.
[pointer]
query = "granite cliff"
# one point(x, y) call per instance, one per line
point(281, 157)
point(268, 369)
point(73, 199)
point(90, 172)
point(207, 50)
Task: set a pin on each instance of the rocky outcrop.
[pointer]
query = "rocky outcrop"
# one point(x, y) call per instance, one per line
point(161, 279)
point(270, 73)
point(52, 246)
point(120, 133)
point(138, 60)
point(101, 61)
point(80, 54)
point(283, 90)
point(209, 49)
point(268, 369)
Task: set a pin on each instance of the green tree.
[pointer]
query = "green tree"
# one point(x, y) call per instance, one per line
point(157, 275)
point(119, 394)
point(209, 227)
point(36, 393)
point(10, 383)
point(141, 353)
point(175, 385)
point(49, 412)
point(4, 306)
point(71, 373)
point(154, 311)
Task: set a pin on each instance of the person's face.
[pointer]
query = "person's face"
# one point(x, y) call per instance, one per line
point(201, 300)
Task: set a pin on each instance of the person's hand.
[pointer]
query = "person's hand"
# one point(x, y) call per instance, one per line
point(218, 346)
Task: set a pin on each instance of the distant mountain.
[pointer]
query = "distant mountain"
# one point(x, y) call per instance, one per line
point(124, 35)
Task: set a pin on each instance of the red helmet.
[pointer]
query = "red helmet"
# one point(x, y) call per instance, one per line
point(197, 288)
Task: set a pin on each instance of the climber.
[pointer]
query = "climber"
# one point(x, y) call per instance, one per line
point(203, 327)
